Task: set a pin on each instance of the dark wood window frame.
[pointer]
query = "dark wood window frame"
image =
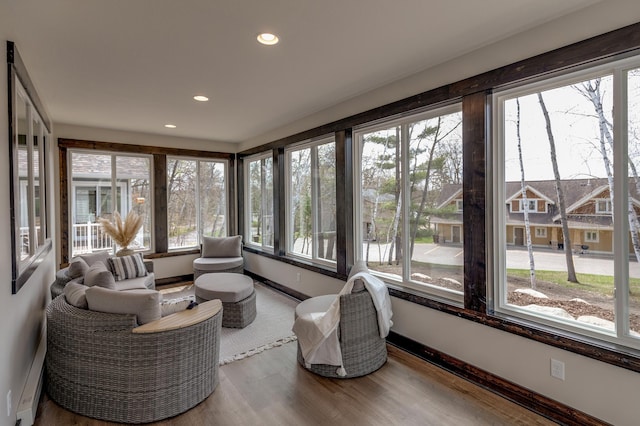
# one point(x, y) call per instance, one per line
point(161, 235)
point(475, 94)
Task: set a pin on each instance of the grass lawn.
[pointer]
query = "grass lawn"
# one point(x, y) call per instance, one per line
point(602, 284)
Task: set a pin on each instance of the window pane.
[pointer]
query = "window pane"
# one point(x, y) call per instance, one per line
point(22, 205)
point(91, 199)
point(633, 105)
point(300, 220)
point(381, 201)
point(435, 182)
point(326, 204)
point(133, 177)
point(260, 202)
point(267, 202)
point(560, 138)
point(213, 206)
point(181, 203)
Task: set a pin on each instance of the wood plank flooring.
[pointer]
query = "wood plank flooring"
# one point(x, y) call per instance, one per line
point(272, 389)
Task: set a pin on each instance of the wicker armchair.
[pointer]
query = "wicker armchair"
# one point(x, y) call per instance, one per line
point(363, 350)
point(104, 366)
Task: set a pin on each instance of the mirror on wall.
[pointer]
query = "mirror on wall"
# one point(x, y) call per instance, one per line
point(29, 130)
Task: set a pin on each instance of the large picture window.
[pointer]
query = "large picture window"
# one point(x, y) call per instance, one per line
point(104, 183)
point(560, 138)
point(196, 201)
point(311, 200)
point(408, 206)
point(259, 201)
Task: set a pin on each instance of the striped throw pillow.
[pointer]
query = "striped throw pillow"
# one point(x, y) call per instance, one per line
point(126, 267)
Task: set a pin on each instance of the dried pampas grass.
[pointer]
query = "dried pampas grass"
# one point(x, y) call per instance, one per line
point(123, 233)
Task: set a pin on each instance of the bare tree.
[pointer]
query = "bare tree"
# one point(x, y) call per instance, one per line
point(523, 187)
point(571, 270)
point(591, 90)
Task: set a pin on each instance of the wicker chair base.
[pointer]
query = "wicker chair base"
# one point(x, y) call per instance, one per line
point(237, 314)
point(363, 350)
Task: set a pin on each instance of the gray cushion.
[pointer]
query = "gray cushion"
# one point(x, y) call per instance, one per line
point(77, 268)
point(99, 275)
point(227, 287)
point(145, 304)
point(212, 264)
point(136, 283)
point(96, 256)
point(222, 247)
point(126, 267)
point(76, 294)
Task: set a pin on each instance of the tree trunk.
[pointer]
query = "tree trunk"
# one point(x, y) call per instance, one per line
point(592, 92)
point(523, 186)
point(571, 270)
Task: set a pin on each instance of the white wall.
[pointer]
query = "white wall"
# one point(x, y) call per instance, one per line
point(22, 314)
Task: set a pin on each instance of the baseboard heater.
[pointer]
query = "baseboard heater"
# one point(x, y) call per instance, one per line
point(28, 406)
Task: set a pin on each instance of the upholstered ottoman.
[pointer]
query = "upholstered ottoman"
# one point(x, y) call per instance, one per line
point(236, 293)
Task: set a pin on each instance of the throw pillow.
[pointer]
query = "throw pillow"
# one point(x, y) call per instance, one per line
point(99, 275)
point(76, 295)
point(77, 268)
point(96, 256)
point(144, 304)
point(126, 267)
point(222, 246)
point(171, 306)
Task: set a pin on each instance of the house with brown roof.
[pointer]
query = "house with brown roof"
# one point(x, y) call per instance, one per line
point(589, 214)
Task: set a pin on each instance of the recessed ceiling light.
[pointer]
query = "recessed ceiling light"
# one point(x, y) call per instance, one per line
point(170, 126)
point(201, 98)
point(268, 39)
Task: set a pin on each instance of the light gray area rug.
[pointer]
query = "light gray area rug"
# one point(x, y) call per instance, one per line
point(271, 328)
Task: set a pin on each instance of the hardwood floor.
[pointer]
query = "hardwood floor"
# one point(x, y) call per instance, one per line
point(272, 389)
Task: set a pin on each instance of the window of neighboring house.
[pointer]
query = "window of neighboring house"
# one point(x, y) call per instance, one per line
point(459, 205)
point(541, 232)
point(104, 183)
point(311, 200)
point(518, 205)
point(591, 236)
point(258, 203)
point(196, 201)
point(603, 206)
point(406, 171)
point(551, 131)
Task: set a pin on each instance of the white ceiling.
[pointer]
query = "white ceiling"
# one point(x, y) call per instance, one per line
point(135, 64)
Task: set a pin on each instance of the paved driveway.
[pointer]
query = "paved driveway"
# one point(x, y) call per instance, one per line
point(517, 258)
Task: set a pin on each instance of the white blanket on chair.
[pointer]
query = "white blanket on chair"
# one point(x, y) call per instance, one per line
point(318, 332)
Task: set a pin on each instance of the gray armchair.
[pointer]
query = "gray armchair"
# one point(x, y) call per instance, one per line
point(219, 254)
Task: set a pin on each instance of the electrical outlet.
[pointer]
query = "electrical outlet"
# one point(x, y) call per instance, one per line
point(557, 369)
point(9, 403)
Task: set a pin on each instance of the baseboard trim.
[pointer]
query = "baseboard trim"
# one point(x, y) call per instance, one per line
point(526, 398)
point(174, 280)
point(286, 290)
